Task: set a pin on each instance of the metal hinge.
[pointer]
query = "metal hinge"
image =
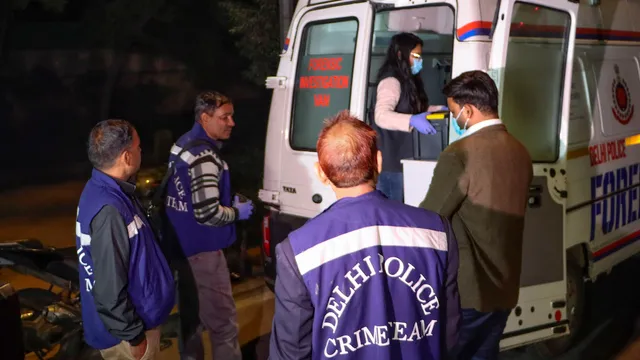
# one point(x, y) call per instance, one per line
point(276, 82)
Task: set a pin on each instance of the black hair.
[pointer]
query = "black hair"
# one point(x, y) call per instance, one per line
point(474, 88)
point(107, 140)
point(398, 67)
point(209, 101)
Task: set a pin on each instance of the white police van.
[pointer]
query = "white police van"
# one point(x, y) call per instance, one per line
point(569, 80)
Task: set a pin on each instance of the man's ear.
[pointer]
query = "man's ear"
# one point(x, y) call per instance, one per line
point(472, 111)
point(202, 118)
point(320, 174)
point(379, 159)
point(126, 158)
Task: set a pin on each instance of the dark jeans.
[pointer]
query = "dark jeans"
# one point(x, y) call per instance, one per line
point(480, 334)
point(390, 184)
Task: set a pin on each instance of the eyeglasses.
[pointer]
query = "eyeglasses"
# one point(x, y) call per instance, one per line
point(416, 56)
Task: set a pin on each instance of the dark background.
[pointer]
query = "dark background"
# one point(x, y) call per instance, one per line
point(67, 64)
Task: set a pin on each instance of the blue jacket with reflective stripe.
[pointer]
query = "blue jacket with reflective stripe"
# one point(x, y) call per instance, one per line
point(150, 287)
point(381, 276)
point(196, 238)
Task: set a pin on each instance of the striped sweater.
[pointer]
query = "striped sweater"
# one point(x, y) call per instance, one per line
point(199, 199)
point(204, 174)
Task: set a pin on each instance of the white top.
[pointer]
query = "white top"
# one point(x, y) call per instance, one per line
point(481, 125)
point(388, 95)
point(386, 100)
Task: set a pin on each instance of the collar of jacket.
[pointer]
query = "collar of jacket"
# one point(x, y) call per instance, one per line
point(479, 126)
point(197, 132)
point(109, 181)
point(351, 200)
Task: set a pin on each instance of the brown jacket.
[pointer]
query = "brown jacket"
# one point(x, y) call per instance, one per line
point(481, 183)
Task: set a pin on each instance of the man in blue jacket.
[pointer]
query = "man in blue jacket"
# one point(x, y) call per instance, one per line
point(369, 278)
point(127, 289)
point(203, 214)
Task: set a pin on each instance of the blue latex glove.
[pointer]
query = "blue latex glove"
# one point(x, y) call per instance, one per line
point(420, 123)
point(245, 209)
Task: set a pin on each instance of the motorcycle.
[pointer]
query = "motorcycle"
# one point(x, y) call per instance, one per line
point(52, 318)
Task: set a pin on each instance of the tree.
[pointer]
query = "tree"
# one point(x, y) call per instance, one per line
point(256, 25)
point(117, 25)
point(8, 7)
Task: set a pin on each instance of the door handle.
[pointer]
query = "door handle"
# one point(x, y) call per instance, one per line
point(535, 196)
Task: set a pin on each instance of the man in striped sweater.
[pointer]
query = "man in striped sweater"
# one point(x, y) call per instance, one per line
point(203, 213)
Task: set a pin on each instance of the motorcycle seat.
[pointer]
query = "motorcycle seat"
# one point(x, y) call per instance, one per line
point(62, 262)
point(64, 270)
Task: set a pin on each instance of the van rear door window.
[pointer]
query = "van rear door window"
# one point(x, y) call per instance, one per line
point(323, 79)
point(531, 97)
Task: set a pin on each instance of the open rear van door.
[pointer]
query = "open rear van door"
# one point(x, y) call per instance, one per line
point(531, 61)
point(325, 73)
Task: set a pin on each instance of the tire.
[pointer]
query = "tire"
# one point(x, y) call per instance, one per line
point(576, 313)
point(73, 348)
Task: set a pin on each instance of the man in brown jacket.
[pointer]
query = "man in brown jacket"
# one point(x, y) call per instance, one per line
point(481, 184)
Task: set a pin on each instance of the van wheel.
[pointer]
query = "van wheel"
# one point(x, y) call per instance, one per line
point(576, 306)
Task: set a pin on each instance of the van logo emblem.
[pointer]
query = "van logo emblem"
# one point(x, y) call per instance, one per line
point(290, 190)
point(622, 107)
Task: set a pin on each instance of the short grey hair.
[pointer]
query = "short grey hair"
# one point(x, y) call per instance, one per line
point(209, 101)
point(108, 139)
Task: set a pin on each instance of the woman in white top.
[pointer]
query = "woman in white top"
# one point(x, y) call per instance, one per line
point(401, 106)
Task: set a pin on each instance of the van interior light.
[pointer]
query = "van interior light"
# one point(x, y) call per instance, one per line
point(632, 140)
point(418, 20)
point(434, 19)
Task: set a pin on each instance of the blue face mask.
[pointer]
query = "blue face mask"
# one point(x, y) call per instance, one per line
point(456, 126)
point(416, 67)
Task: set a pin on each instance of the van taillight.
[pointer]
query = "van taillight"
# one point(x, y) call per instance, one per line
point(266, 236)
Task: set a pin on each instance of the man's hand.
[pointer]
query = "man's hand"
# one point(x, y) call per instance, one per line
point(139, 350)
point(244, 206)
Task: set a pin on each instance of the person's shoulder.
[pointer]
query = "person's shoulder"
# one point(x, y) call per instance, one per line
point(318, 220)
point(200, 153)
point(195, 143)
point(417, 215)
point(389, 81)
point(113, 202)
point(184, 138)
point(421, 212)
point(284, 248)
point(515, 146)
point(456, 151)
point(117, 201)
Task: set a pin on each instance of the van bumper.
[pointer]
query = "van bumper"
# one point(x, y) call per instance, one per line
point(279, 227)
